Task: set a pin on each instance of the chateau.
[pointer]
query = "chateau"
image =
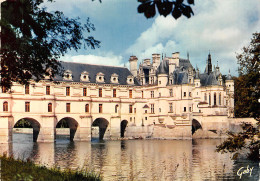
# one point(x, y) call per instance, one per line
point(162, 98)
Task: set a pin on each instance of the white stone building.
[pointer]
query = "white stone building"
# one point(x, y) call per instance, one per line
point(165, 98)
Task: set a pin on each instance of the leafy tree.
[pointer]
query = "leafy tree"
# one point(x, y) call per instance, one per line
point(165, 7)
point(32, 39)
point(247, 96)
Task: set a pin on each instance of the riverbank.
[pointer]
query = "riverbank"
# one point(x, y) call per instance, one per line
point(12, 169)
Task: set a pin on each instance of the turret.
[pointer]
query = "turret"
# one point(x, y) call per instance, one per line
point(230, 83)
point(133, 65)
point(208, 68)
point(162, 75)
point(230, 93)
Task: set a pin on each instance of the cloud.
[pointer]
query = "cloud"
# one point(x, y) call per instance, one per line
point(223, 27)
point(107, 58)
point(156, 33)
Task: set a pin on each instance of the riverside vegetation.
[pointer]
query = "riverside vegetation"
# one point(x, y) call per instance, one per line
point(17, 169)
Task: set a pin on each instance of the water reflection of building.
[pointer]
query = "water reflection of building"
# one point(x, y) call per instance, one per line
point(160, 99)
point(137, 159)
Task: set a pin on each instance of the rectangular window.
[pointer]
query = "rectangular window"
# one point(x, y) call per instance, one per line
point(27, 106)
point(170, 107)
point(184, 94)
point(116, 108)
point(27, 89)
point(5, 106)
point(184, 109)
point(190, 109)
point(84, 91)
point(4, 90)
point(152, 94)
point(170, 92)
point(130, 108)
point(189, 94)
point(48, 90)
point(209, 99)
point(100, 108)
point(215, 99)
point(87, 108)
point(114, 92)
point(67, 91)
point(130, 93)
point(142, 94)
point(100, 92)
point(134, 110)
point(67, 107)
point(152, 108)
point(219, 98)
point(50, 107)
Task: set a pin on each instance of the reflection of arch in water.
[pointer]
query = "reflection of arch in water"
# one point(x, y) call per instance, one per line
point(72, 124)
point(123, 127)
point(35, 125)
point(195, 126)
point(102, 123)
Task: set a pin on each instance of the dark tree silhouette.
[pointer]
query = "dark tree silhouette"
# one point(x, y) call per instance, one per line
point(165, 7)
point(32, 39)
point(247, 96)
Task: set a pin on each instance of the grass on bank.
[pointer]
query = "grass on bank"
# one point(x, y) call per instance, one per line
point(12, 169)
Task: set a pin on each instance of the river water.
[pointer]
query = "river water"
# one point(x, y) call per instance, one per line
point(137, 159)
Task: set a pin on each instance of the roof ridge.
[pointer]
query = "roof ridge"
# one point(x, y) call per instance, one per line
point(94, 64)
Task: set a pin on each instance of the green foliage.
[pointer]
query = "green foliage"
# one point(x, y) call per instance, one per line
point(32, 39)
point(248, 139)
point(247, 92)
point(165, 7)
point(247, 96)
point(62, 124)
point(23, 123)
point(12, 169)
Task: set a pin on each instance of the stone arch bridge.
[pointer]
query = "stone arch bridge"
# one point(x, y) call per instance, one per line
point(81, 127)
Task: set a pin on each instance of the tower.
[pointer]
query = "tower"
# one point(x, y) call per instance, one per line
point(133, 65)
point(230, 94)
point(208, 69)
point(162, 75)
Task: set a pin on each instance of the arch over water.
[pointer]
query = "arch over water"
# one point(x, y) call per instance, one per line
point(195, 126)
point(35, 125)
point(70, 123)
point(102, 123)
point(123, 127)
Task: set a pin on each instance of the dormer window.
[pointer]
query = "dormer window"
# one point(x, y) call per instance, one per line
point(67, 75)
point(84, 76)
point(114, 78)
point(100, 77)
point(48, 74)
point(130, 79)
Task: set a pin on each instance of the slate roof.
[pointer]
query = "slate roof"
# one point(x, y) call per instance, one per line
point(185, 63)
point(210, 79)
point(78, 68)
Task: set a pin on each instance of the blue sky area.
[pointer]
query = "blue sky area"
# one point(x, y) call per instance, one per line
point(221, 26)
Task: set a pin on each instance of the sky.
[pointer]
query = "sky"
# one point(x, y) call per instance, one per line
point(221, 27)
